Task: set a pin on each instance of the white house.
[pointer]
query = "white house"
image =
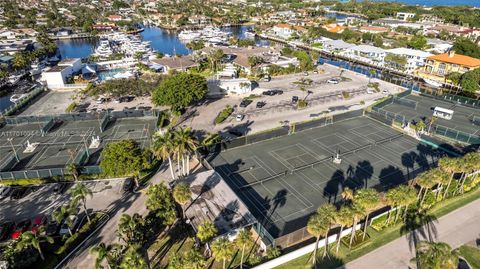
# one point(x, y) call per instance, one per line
point(8, 34)
point(415, 58)
point(56, 77)
point(286, 30)
point(404, 16)
point(230, 86)
point(438, 46)
point(366, 53)
point(336, 45)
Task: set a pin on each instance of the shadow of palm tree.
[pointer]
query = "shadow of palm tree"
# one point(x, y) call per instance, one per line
point(330, 261)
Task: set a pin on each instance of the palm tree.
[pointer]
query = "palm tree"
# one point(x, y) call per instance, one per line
point(357, 213)
point(317, 226)
point(347, 195)
point(327, 211)
point(80, 192)
point(133, 259)
point(406, 196)
point(102, 252)
point(470, 164)
point(182, 194)
point(426, 182)
point(206, 231)
point(130, 228)
point(186, 145)
point(222, 249)
point(432, 255)
point(72, 169)
point(30, 239)
point(448, 165)
point(162, 148)
point(368, 199)
point(344, 218)
point(194, 259)
point(63, 213)
point(441, 179)
point(244, 238)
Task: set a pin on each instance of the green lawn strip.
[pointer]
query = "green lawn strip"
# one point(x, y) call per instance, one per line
point(471, 254)
point(378, 239)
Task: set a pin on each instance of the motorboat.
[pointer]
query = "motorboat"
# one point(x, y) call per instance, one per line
point(17, 97)
point(250, 33)
point(433, 83)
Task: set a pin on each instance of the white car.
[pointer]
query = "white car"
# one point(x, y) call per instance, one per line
point(239, 117)
point(332, 81)
point(65, 229)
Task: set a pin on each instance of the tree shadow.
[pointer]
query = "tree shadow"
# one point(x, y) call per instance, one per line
point(330, 261)
point(331, 190)
point(363, 172)
point(391, 176)
point(419, 223)
point(408, 160)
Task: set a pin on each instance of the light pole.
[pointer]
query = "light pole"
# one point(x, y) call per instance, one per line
point(13, 148)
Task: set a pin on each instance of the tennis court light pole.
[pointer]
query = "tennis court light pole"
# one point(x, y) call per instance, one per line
point(10, 139)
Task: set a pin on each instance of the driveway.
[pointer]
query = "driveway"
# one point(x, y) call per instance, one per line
point(456, 228)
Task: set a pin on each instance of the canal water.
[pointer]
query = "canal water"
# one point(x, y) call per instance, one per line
point(162, 40)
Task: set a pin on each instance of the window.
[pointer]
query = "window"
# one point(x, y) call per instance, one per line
point(466, 69)
point(441, 68)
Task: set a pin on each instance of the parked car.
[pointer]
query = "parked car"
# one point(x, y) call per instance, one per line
point(333, 81)
point(260, 104)
point(20, 227)
point(37, 222)
point(128, 184)
point(269, 93)
point(19, 193)
point(277, 92)
point(52, 228)
point(5, 191)
point(266, 78)
point(239, 117)
point(315, 71)
point(245, 102)
point(65, 228)
point(101, 100)
point(60, 188)
point(6, 229)
point(294, 99)
point(305, 73)
point(235, 132)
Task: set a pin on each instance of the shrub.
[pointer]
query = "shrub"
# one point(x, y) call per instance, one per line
point(71, 107)
point(224, 114)
point(346, 95)
point(302, 104)
point(380, 223)
point(374, 85)
point(254, 259)
point(362, 102)
point(273, 252)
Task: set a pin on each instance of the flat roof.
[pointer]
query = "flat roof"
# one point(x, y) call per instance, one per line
point(282, 198)
point(213, 200)
point(56, 68)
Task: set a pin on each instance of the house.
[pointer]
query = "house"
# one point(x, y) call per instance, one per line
point(180, 64)
point(366, 53)
point(8, 34)
point(337, 45)
point(13, 46)
point(57, 76)
point(214, 201)
point(115, 18)
point(106, 26)
point(438, 45)
point(286, 31)
point(394, 23)
point(5, 61)
point(334, 28)
point(438, 66)
point(405, 16)
point(415, 58)
point(199, 19)
point(230, 86)
point(373, 29)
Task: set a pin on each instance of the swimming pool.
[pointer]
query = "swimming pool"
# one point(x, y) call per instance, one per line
point(109, 74)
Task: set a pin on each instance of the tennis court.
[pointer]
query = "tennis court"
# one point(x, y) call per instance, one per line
point(66, 141)
point(463, 116)
point(284, 180)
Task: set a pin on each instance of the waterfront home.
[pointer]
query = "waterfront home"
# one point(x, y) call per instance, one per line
point(334, 28)
point(336, 45)
point(13, 46)
point(414, 58)
point(115, 18)
point(286, 31)
point(61, 31)
point(404, 16)
point(438, 45)
point(438, 66)
point(373, 29)
point(229, 86)
point(7, 34)
point(366, 53)
point(199, 19)
point(179, 64)
point(58, 76)
point(394, 23)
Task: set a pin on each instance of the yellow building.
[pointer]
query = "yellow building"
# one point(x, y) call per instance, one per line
point(438, 66)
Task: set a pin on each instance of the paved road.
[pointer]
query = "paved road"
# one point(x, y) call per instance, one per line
point(457, 228)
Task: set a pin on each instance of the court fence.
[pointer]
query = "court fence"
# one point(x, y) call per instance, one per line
point(45, 173)
point(457, 99)
point(80, 116)
point(281, 131)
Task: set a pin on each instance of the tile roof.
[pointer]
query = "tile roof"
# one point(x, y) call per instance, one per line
point(456, 59)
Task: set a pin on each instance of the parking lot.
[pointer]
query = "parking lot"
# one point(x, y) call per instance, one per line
point(53, 102)
point(44, 200)
point(320, 96)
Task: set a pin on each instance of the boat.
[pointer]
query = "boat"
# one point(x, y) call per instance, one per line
point(433, 83)
point(37, 68)
point(208, 34)
point(250, 33)
point(17, 97)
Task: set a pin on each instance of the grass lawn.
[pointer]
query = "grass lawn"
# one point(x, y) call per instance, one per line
point(378, 239)
point(471, 254)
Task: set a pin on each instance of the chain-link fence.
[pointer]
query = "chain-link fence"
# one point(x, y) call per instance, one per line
point(455, 134)
point(45, 173)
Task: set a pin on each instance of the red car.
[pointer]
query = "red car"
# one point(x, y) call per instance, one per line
point(38, 221)
point(20, 227)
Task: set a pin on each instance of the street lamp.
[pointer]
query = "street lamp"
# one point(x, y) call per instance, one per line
point(13, 148)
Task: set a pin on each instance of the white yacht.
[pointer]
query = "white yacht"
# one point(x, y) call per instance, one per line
point(17, 97)
point(104, 49)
